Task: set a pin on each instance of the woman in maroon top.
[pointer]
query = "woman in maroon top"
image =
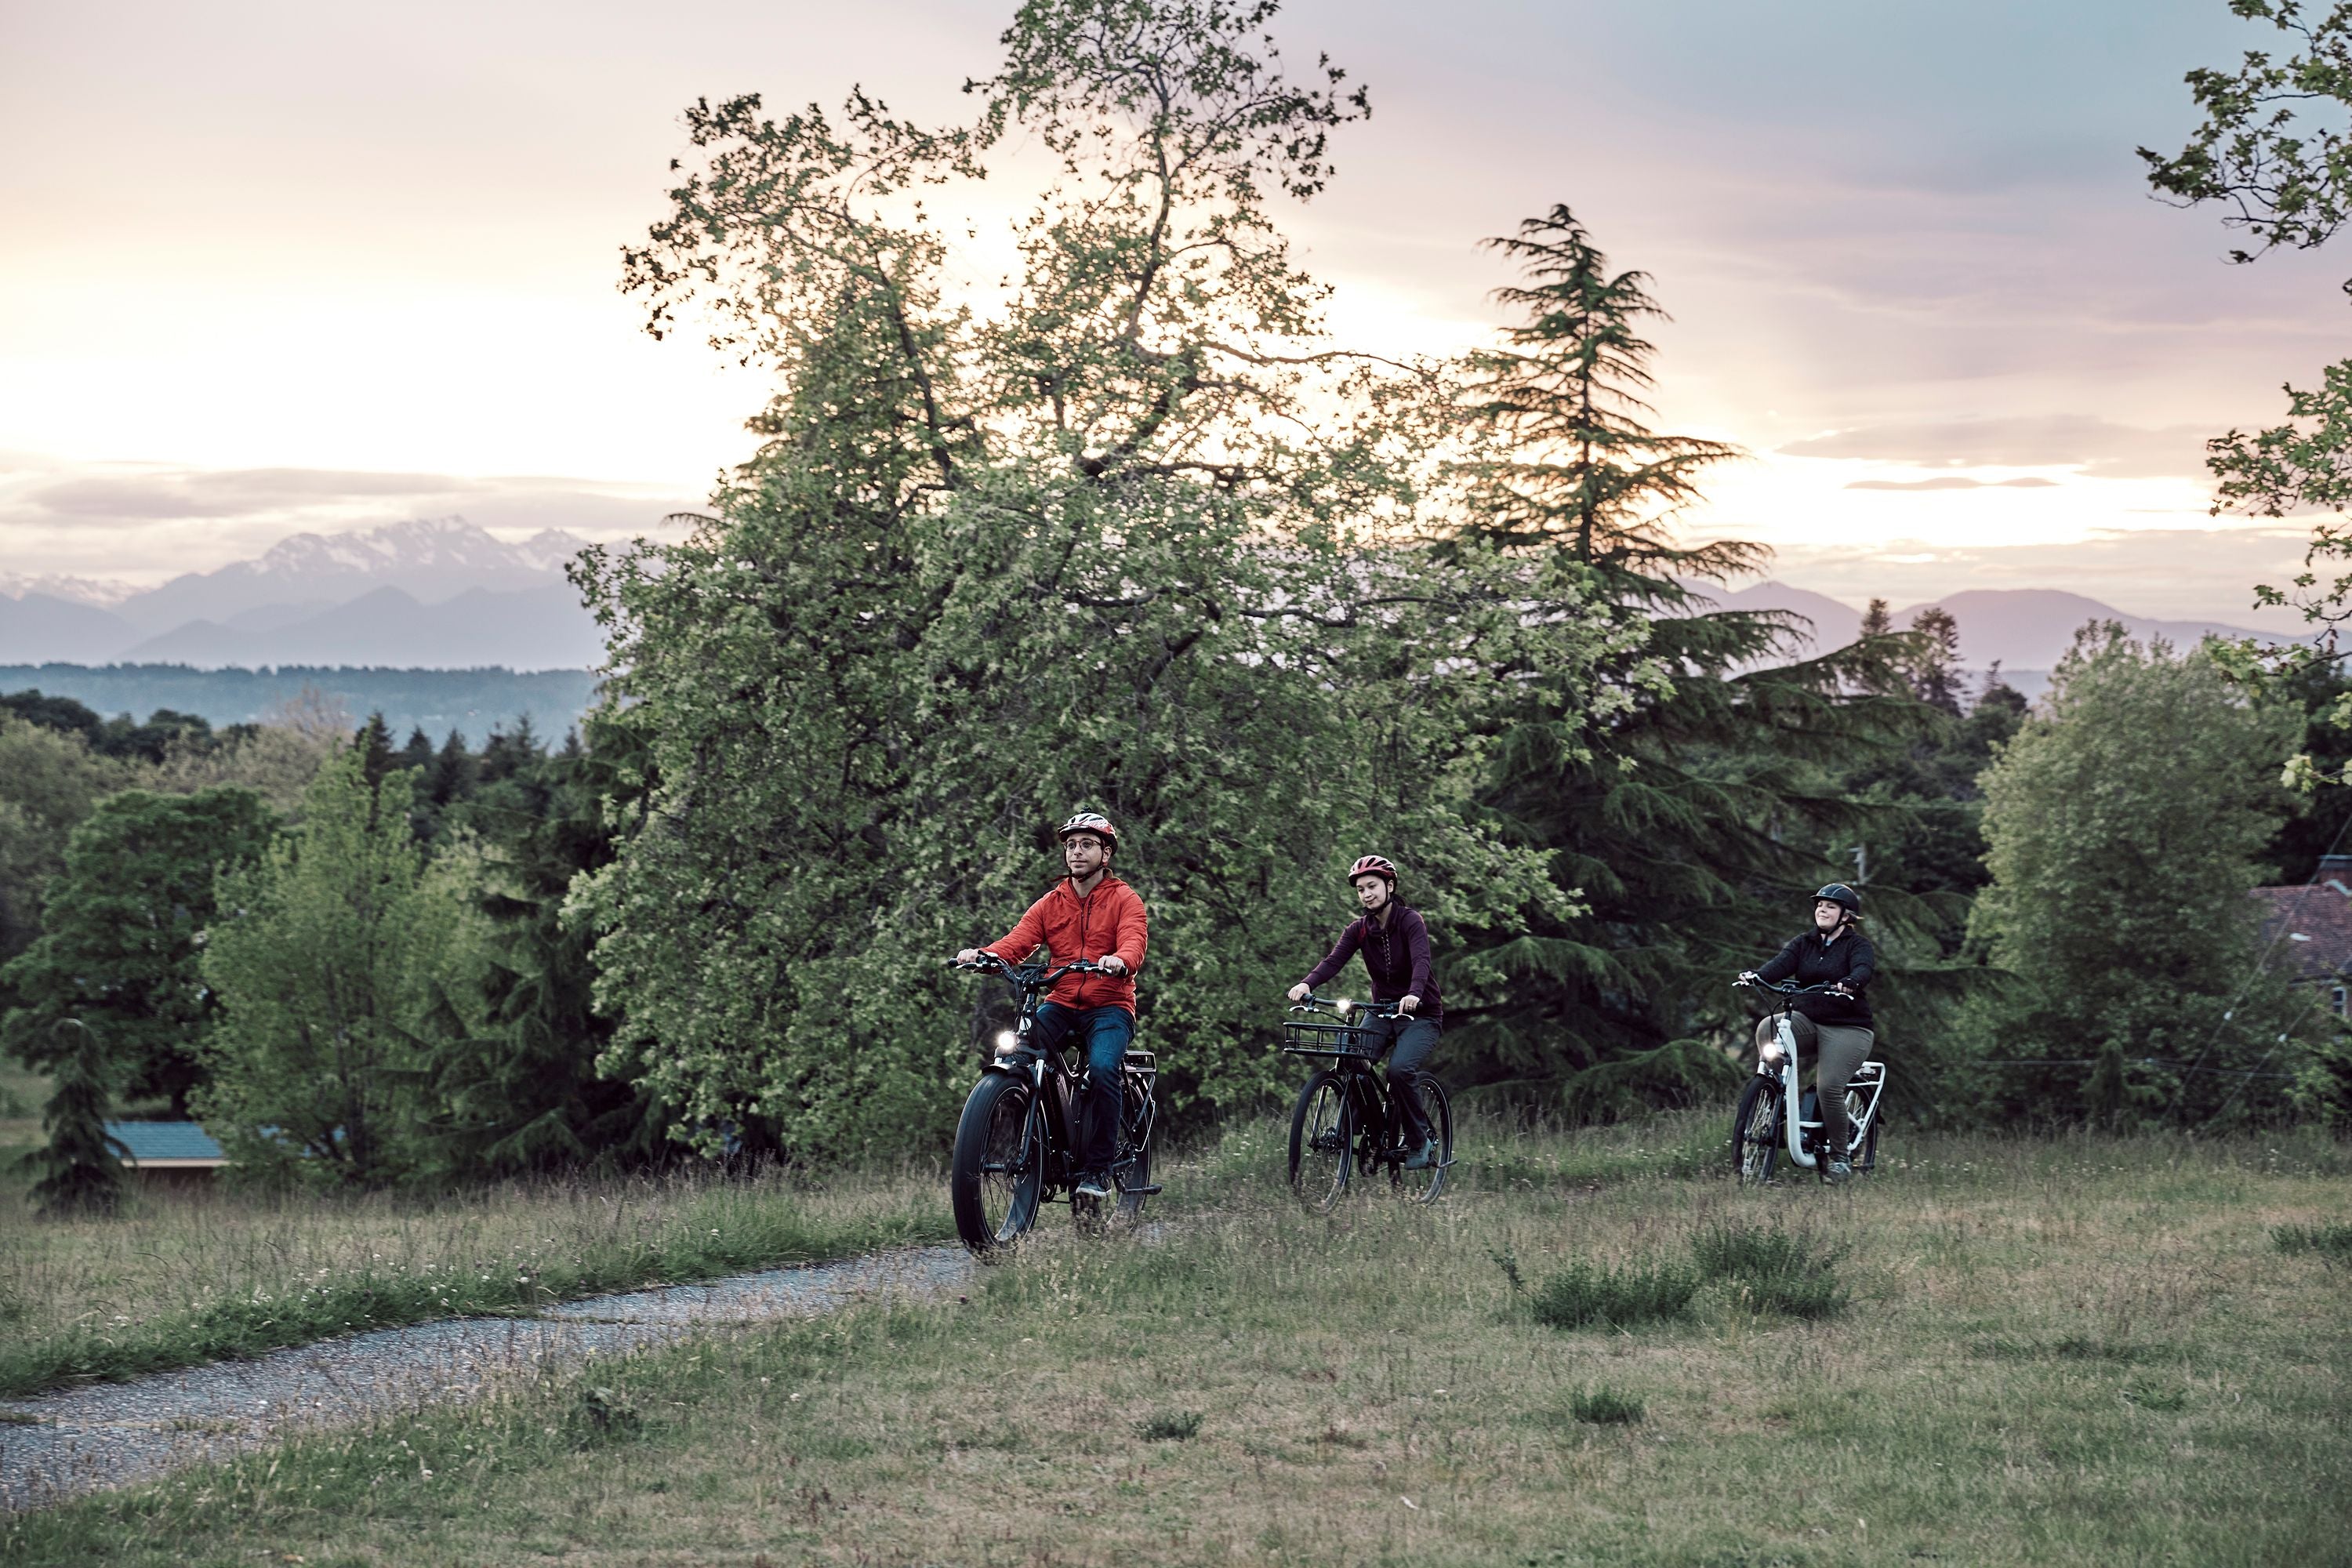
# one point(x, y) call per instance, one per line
point(1394, 941)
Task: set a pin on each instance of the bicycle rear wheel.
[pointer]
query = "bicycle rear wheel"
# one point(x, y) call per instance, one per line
point(1322, 1141)
point(1135, 1171)
point(1867, 1157)
point(998, 1171)
point(1422, 1186)
point(1756, 1132)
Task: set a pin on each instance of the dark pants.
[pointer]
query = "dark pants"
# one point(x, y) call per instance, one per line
point(1108, 1032)
point(1414, 1040)
point(1838, 1049)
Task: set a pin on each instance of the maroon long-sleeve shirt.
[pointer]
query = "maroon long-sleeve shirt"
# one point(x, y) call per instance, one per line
point(1396, 956)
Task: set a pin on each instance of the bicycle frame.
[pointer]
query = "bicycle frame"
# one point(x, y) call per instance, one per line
point(1015, 1056)
point(1869, 1080)
point(1360, 1066)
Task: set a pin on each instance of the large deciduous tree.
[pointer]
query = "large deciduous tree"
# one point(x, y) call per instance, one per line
point(1114, 541)
point(2123, 822)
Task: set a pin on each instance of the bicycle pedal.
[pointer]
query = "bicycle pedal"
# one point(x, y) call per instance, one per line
point(1150, 1192)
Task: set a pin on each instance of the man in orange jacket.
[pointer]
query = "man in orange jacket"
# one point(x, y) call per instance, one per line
point(1088, 914)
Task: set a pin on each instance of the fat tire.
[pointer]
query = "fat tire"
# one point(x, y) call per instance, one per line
point(996, 1098)
point(1320, 1192)
point(1756, 1132)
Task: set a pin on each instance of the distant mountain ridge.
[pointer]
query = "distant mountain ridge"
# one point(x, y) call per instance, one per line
point(2024, 629)
point(427, 594)
point(443, 593)
point(429, 559)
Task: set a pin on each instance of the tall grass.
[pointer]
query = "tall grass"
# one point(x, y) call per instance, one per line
point(187, 1278)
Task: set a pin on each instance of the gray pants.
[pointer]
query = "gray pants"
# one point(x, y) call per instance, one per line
point(1840, 1049)
point(1414, 1040)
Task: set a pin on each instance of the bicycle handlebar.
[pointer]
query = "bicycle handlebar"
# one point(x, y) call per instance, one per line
point(1784, 988)
point(989, 963)
point(1341, 1007)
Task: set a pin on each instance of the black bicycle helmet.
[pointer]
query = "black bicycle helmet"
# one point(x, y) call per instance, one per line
point(1840, 894)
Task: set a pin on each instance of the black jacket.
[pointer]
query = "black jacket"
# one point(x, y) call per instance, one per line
point(1396, 954)
point(1810, 960)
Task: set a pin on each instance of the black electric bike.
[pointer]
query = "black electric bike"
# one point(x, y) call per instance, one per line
point(1345, 1119)
point(1018, 1145)
point(1761, 1131)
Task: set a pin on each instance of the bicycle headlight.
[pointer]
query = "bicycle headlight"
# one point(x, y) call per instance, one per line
point(1343, 1007)
point(1007, 1042)
point(1770, 1055)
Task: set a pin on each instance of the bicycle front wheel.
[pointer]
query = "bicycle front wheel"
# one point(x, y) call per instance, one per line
point(1422, 1186)
point(1322, 1141)
point(1756, 1132)
point(998, 1170)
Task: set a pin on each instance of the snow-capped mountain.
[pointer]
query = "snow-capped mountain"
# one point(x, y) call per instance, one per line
point(430, 559)
point(101, 592)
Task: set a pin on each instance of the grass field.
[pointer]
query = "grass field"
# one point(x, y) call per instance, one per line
point(182, 1277)
point(2080, 1350)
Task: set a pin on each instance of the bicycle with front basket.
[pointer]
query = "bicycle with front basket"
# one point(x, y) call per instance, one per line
point(1761, 1131)
point(1345, 1121)
point(1019, 1142)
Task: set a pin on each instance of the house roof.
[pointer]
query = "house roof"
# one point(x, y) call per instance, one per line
point(149, 1143)
point(2311, 925)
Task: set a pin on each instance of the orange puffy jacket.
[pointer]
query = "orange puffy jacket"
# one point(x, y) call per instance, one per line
point(1108, 919)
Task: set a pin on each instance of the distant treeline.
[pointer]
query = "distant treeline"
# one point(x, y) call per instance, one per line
point(474, 702)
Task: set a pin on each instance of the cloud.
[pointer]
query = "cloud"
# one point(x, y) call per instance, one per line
point(1951, 482)
point(2168, 574)
point(156, 495)
point(2098, 448)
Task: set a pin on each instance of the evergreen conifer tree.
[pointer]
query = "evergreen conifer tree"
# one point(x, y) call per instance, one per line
point(81, 1169)
point(1693, 820)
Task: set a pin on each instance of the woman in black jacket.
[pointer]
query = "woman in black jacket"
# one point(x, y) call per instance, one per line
point(1835, 1024)
point(1394, 941)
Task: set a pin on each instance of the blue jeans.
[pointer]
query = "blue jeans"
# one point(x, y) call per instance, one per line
point(1108, 1032)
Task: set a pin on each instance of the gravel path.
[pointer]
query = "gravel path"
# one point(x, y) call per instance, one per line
point(103, 1435)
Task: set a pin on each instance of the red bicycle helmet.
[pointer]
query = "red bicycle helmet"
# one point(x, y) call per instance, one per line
point(1374, 866)
point(1092, 822)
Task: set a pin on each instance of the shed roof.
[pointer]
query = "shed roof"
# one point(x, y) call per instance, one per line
point(2311, 925)
point(151, 1140)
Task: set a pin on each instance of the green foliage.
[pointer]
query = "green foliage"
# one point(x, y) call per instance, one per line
point(122, 933)
point(2123, 822)
point(1169, 1426)
point(2331, 1242)
point(1097, 549)
point(326, 957)
point(1772, 1270)
point(1601, 1406)
point(81, 1169)
point(1587, 1294)
point(515, 1087)
point(49, 780)
point(2283, 178)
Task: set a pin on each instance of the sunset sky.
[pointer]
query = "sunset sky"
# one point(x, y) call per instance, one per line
point(268, 267)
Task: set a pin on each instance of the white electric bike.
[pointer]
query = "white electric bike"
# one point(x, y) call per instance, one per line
point(1762, 1130)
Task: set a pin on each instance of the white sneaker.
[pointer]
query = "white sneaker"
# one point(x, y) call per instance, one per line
point(1093, 1184)
point(1838, 1171)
